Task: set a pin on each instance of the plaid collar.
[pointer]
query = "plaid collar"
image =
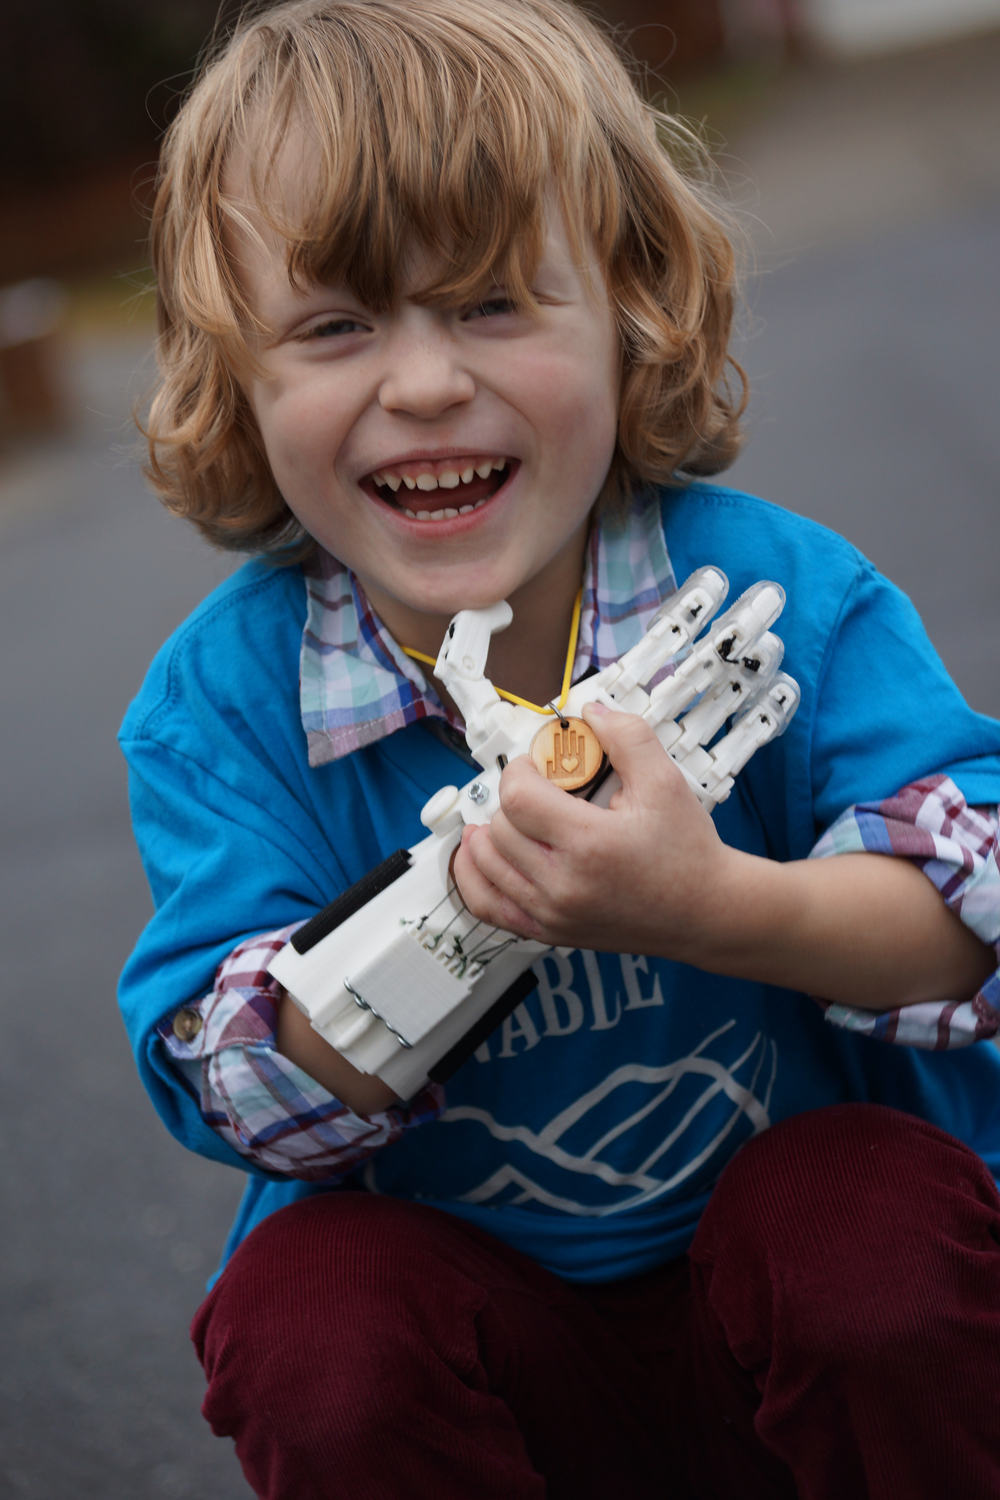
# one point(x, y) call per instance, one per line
point(356, 685)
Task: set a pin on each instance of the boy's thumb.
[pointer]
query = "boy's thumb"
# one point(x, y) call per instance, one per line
point(629, 742)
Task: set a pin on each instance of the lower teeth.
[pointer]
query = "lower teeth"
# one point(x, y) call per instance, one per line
point(445, 515)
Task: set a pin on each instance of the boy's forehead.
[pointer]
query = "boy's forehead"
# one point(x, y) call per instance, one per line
point(260, 254)
point(270, 179)
point(268, 197)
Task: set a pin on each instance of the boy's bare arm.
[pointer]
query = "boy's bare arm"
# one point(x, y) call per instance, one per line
point(651, 875)
point(365, 1093)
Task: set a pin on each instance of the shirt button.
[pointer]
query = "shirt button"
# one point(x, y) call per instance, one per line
point(187, 1024)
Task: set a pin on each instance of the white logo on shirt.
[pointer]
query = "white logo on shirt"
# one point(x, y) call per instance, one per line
point(643, 1183)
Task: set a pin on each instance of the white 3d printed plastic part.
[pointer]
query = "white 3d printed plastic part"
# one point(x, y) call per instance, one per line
point(396, 973)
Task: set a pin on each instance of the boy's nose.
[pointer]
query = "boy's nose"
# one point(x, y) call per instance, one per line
point(425, 377)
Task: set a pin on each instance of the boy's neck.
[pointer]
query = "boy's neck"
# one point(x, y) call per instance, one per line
point(529, 657)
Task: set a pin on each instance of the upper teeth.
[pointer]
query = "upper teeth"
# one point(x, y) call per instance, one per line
point(448, 479)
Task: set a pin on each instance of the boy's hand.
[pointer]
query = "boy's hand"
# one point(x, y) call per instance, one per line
point(648, 874)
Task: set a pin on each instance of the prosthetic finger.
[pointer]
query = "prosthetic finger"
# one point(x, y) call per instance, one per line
point(676, 623)
point(733, 640)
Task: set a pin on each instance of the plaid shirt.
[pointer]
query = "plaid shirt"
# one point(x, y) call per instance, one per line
point(956, 846)
point(356, 687)
point(258, 1101)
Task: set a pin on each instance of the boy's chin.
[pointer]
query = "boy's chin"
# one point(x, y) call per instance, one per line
point(442, 594)
point(444, 603)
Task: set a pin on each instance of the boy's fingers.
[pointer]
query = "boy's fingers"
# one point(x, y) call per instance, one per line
point(495, 868)
point(474, 862)
point(535, 807)
point(530, 857)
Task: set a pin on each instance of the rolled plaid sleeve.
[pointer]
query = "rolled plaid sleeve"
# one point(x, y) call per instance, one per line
point(956, 847)
point(258, 1101)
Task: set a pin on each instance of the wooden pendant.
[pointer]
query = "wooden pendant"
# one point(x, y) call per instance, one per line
point(568, 753)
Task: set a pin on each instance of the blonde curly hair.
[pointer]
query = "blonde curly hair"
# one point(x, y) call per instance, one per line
point(448, 120)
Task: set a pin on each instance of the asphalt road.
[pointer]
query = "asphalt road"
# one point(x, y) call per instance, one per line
point(875, 375)
point(875, 370)
point(109, 1228)
point(873, 198)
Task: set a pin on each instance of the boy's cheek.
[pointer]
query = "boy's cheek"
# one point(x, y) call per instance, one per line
point(287, 424)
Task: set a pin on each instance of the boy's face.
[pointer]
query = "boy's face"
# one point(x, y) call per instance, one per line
point(449, 456)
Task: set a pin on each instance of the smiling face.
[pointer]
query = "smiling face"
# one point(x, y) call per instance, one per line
point(450, 456)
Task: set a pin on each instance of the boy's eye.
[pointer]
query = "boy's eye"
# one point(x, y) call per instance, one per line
point(333, 327)
point(492, 307)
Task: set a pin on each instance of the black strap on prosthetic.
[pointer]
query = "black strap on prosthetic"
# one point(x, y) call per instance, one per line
point(351, 900)
point(498, 1011)
point(453, 738)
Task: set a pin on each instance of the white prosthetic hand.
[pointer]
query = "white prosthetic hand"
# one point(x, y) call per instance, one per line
point(396, 973)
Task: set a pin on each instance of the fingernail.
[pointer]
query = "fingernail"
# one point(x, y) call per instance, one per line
point(597, 708)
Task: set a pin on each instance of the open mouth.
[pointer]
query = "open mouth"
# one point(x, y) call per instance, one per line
point(439, 489)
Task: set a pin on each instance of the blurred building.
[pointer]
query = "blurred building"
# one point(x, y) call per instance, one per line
point(88, 86)
point(675, 37)
point(852, 27)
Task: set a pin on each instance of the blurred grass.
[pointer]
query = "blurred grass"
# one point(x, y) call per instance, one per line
point(722, 101)
point(112, 302)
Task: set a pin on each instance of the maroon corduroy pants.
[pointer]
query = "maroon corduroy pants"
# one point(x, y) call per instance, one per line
point(833, 1335)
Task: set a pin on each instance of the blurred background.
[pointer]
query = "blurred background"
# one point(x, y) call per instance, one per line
point(860, 140)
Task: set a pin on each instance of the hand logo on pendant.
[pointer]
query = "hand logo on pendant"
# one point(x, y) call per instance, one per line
point(570, 754)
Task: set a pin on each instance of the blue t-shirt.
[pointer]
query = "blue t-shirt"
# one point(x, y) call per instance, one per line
point(590, 1129)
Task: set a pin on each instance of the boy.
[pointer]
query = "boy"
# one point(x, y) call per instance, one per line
point(412, 247)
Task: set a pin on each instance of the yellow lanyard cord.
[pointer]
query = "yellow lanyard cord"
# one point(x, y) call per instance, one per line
point(547, 708)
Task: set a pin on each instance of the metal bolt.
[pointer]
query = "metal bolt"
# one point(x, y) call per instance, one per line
point(479, 793)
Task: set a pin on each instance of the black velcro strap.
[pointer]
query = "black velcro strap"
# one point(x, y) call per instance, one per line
point(498, 1011)
point(351, 900)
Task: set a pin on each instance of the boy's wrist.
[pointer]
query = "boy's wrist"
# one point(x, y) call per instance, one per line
point(737, 914)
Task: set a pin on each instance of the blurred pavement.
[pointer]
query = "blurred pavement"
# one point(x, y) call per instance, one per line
point(875, 326)
point(874, 363)
point(109, 1228)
